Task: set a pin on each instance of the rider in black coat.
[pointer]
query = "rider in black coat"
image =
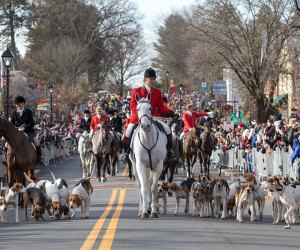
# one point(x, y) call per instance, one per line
point(85, 122)
point(115, 122)
point(23, 118)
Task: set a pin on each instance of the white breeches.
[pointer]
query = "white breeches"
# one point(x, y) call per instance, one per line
point(131, 125)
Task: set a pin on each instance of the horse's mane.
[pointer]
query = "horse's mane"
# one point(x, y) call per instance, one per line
point(9, 125)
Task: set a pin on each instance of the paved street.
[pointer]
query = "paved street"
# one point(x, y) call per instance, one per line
point(114, 224)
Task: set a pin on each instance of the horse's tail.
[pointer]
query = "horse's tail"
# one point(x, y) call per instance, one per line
point(28, 178)
point(54, 179)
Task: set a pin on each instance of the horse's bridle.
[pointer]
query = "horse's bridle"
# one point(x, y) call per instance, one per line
point(150, 118)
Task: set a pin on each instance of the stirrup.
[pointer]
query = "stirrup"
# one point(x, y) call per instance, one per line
point(125, 158)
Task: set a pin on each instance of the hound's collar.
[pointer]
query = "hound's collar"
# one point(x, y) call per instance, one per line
point(282, 190)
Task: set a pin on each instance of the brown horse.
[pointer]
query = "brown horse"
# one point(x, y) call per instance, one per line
point(114, 153)
point(21, 154)
point(190, 149)
point(101, 148)
point(206, 146)
point(171, 165)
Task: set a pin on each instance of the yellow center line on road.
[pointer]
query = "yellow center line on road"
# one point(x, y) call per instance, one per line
point(109, 235)
point(124, 173)
point(92, 237)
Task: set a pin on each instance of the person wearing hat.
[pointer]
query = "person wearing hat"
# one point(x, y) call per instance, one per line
point(158, 108)
point(190, 119)
point(115, 121)
point(85, 121)
point(293, 128)
point(270, 133)
point(97, 119)
point(23, 119)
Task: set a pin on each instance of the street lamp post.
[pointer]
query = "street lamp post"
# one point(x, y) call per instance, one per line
point(167, 83)
point(297, 4)
point(7, 58)
point(180, 96)
point(51, 88)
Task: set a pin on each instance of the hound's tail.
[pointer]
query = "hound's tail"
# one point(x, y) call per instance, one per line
point(54, 179)
point(28, 178)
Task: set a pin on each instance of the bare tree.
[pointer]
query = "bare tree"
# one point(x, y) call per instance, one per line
point(128, 63)
point(251, 37)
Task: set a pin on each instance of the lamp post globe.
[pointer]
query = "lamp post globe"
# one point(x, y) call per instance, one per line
point(7, 58)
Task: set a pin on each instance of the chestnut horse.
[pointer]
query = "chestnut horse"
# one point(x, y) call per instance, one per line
point(21, 154)
point(101, 148)
point(206, 146)
point(190, 150)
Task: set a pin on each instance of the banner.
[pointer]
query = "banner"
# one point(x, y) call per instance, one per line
point(172, 86)
point(219, 88)
point(43, 105)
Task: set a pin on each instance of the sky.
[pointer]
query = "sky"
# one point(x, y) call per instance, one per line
point(152, 11)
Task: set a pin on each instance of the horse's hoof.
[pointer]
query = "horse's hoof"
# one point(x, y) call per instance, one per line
point(287, 227)
point(145, 216)
point(153, 215)
point(140, 214)
point(149, 211)
point(98, 180)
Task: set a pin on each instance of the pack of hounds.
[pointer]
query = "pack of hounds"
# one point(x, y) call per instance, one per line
point(44, 195)
point(211, 198)
point(221, 199)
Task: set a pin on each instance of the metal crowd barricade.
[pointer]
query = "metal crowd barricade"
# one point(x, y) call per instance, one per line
point(52, 152)
point(263, 164)
point(276, 163)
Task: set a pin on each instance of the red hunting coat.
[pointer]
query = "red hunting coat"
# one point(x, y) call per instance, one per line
point(190, 119)
point(156, 102)
point(95, 121)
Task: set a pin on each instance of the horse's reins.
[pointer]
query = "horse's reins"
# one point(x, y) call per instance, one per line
point(149, 150)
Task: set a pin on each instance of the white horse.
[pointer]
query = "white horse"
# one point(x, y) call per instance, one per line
point(86, 154)
point(147, 157)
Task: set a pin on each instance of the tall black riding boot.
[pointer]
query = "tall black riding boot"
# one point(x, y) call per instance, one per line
point(126, 146)
point(39, 156)
point(170, 154)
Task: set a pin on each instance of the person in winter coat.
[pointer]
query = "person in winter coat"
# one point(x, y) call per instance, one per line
point(296, 154)
point(190, 119)
point(85, 121)
point(158, 109)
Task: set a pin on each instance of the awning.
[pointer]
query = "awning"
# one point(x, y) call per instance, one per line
point(280, 98)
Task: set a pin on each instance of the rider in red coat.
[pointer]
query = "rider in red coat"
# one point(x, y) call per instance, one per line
point(156, 102)
point(97, 119)
point(158, 108)
point(190, 119)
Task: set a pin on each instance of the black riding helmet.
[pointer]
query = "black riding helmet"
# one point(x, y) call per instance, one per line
point(19, 99)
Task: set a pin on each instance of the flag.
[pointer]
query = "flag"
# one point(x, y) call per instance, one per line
point(172, 85)
point(247, 116)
